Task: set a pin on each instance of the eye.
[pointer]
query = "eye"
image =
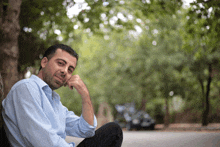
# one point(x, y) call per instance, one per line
point(70, 71)
point(60, 63)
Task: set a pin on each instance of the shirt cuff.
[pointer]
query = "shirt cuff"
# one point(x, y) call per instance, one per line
point(87, 124)
point(90, 130)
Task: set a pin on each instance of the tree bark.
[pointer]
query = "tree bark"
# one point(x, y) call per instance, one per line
point(1, 96)
point(203, 91)
point(205, 120)
point(143, 104)
point(167, 115)
point(144, 96)
point(9, 52)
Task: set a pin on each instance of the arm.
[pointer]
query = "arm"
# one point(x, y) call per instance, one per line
point(87, 108)
point(78, 127)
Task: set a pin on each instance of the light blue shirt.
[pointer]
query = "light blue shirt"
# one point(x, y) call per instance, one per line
point(35, 117)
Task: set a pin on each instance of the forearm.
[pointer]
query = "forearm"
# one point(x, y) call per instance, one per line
point(87, 109)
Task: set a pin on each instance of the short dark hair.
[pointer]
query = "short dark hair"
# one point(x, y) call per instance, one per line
point(52, 49)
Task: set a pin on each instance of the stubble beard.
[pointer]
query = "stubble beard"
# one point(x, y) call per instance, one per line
point(53, 83)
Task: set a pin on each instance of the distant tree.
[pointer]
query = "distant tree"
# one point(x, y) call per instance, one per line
point(202, 46)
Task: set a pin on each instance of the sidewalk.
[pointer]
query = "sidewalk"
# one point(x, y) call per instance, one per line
point(189, 127)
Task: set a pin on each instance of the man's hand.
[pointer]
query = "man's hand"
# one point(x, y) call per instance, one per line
point(76, 82)
point(87, 108)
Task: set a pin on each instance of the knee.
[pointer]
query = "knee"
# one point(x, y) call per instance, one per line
point(113, 132)
point(114, 127)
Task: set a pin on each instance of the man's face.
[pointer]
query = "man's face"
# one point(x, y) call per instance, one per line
point(58, 70)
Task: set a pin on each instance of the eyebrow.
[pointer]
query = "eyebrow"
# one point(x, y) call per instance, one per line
point(66, 62)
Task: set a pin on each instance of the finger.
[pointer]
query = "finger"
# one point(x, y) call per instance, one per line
point(68, 82)
point(73, 81)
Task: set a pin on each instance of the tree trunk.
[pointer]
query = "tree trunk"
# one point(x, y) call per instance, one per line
point(167, 115)
point(203, 91)
point(143, 104)
point(1, 96)
point(9, 52)
point(144, 95)
point(205, 120)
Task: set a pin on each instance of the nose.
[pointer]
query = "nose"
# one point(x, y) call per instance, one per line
point(63, 72)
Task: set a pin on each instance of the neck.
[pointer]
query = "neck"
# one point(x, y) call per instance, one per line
point(40, 74)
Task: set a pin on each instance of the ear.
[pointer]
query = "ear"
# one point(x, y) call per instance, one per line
point(44, 62)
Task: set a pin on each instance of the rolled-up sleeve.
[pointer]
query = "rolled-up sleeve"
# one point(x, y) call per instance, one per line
point(34, 126)
point(77, 126)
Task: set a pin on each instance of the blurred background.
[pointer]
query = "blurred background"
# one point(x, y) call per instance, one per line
point(160, 55)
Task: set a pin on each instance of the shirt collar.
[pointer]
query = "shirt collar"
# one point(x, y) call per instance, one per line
point(39, 81)
point(43, 84)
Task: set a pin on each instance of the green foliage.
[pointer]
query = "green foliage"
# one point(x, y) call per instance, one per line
point(70, 99)
point(101, 65)
point(119, 64)
point(155, 108)
point(38, 21)
point(203, 48)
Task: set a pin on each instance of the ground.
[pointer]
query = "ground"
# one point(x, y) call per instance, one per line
point(212, 127)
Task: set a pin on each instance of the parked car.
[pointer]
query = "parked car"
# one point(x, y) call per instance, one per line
point(131, 118)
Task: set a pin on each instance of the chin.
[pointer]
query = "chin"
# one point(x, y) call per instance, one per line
point(55, 86)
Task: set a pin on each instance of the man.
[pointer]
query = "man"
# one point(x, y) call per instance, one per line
point(34, 115)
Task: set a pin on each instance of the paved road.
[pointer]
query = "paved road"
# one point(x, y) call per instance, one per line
point(166, 139)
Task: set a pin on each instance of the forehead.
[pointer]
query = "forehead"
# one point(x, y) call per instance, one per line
point(61, 54)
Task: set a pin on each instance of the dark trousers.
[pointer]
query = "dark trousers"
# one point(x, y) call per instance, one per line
point(109, 135)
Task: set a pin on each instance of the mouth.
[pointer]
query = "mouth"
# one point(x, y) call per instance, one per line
point(61, 80)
